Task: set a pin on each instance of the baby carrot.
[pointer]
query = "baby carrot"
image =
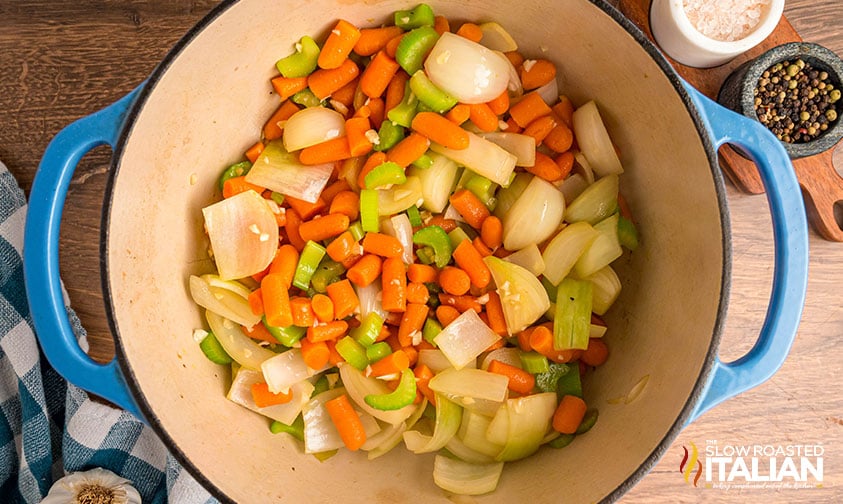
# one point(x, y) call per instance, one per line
point(329, 193)
point(375, 107)
point(338, 45)
point(335, 149)
point(394, 279)
point(378, 74)
point(470, 207)
point(344, 297)
point(470, 31)
point(454, 280)
point(355, 131)
point(393, 363)
point(264, 398)
point(519, 380)
point(491, 232)
point(569, 414)
point(237, 185)
point(540, 128)
point(365, 270)
point(411, 323)
point(596, 353)
point(564, 108)
point(346, 203)
point(382, 245)
point(545, 167)
point(303, 315)
point(494, 314)
point(565, 162)
point(391, 46)
point(514, 57)
point(541, 340)
point(461, 303)
point(315, 354)
point(276, 300)
point(417, 293)
point(347, 422)
point(441, 24)
point(421, 273)
point(323, 307)
point(345, 95)
point(373, 40)
point(481, 247)
point(537, 73)
point(446, 314)
point(254, 151)
point(408, 150)
point(481, 115)
point(423, 375)
point(459, 113)
point(372, 161)
point(256, 301)
point(259, 332)
point(343, 247)
point(440, 130)
point(284, 263)
point(500, 104)
point(395, 90)
point(334, 357)
point(275, 125)
point(560, 138)
point(322, 228)
point(447, 225)
point(469, 259)
point(286, 87)
point(328, 331)
point(512, 126)
point(306, 209)
point(528, 109)
point(323, 82)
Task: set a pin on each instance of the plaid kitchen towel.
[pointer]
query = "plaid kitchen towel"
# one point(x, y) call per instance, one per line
point(48, 427)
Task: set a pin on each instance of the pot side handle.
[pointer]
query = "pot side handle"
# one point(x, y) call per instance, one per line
point(790, 232)
point(41, 254)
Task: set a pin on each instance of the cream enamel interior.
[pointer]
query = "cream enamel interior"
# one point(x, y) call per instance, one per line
point(209, 106)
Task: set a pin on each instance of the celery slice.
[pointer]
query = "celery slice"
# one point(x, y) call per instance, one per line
point(571, 325)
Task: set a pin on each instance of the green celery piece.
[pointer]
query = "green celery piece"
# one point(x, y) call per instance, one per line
point(534, 362)
point(436, 238)
point(356, 229)
point(353, 352)
point(403, 395)
point(483, 188)
point(429, 94)
point(422, 15)
point(627, 233)
point(457, 236)
point(325, 455)
point(368, 330)
point(414, 216)
point(277, 197)
point(386, 173)
point(561, 441)
point(378, 351)
point(302, 62)
point(235, 170)
point(389, 134)
point(213, 350)
point(424, 161)
point(588, 421)
point(309, 260)
point(403, 113)
point(328, 272)
point(320, 386)
point(431, 329)
point(570, 382)
point(296, 429)
point(306, 98)
point(550, 289)
point(572, 323)
point(413, 47)
point(549, 380)
point(287, 336)
point(369, 210)
point(426, 255)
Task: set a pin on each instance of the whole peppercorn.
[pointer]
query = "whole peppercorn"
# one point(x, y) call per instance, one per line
point(796, 101)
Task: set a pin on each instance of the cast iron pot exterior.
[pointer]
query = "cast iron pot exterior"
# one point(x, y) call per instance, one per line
point(205, 104)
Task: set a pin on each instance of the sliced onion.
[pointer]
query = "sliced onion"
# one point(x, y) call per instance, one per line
point(285, 370)
point(229, 285)
point(496, 38)
point(529, 421)
point(465, 338)
point(606, 287)
point(221, 301)
point(320, 434)
point(505, 355)
point(565, 248)
point(312, 125)
point(282, 172)
point(534, 216)
point(482, 157)
point(399, 226)
point(463, 478)
point(437, 181)
point(243, 234)
point(397, 433)
point(597, 201)
point(572, 186)
point(523, 297)
point(448, 417)
point(471, 383)
point(370, 299)
point(549, 92)
point(473, 433)
point(507, 196)
point(602, 251)
point(241, 393)
point(466, 70)
point(522, 146)
point(583, 167)
point(400, 197)
point(434, 359)
point(514, 87)
point(529, 258)
point(359, 386)
point(594, 141)
point(240, 347)
point(459, 449)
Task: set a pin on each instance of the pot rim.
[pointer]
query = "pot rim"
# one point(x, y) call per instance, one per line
point(669, 72)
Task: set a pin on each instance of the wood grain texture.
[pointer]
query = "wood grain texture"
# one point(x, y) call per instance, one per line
point(62, 60)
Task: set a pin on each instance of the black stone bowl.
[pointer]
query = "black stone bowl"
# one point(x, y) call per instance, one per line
point(737, 92)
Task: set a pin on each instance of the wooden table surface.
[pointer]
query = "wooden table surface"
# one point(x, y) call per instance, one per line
point(61, 60)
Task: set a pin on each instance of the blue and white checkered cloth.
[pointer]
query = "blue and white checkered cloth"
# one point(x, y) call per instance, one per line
point(49, 428)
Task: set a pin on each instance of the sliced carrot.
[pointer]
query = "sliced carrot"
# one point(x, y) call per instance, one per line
point(276, 300)
point(391, 46)
point(447, 225)
point(344, 297)
point(305, 209)
point(395, 90)
point(237, 185)
point(264, 398)
point(423, 375)
point(536, 73)
point(327, 331)
point(346, 203)
point(512, 126)
point(470, 31)
point(459, 113)
point(412, 322)
point(421, 273)
point(254, 151)
point(315, 354)
point(382, 245)
point(259, 332)
point(564, 108)
point(519, 380)
point(565, 162)
point(491, 232)
point(569, 414)
point(446, 314)
point(417, 293)
point(274, 127)
point(347, 422)
point(481, 115)
point(596, 353)
point(392, 364)
point(256, 301)
point(335, 149)
point(500, 104)
point(560, 138)
point(514, 57)
point(540, 128)
point(470, 260)
point(494, 314)
point(394, 279)
point(365, 271)
point(470, 207)
point(441, 24)
point(481, 247)
point(284, 263)
point(338, 45)
point(343, 247)
point(545, 167)
point(302, 312)
point(286, 87)
point(541, 340)
point(322, 307)
point(323, 81)
point(461, 303)
point(440, 130)
point(408, 150)
point(355, 132)
point(528, 109)
point(345, 94)
point(454, 280)
point(378, 74)
point(373, 40)
point(322, 228)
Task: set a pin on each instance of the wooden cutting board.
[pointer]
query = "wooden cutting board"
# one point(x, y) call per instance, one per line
point(822, 186)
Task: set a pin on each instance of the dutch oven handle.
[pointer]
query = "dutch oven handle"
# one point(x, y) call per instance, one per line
point(41, 254)
point(790, 232)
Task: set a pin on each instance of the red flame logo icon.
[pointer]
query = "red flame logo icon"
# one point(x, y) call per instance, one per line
point(690, 462)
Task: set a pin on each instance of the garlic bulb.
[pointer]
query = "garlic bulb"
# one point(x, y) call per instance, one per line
point(96, 486)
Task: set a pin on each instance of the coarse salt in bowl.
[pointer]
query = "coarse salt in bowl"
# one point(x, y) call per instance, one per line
point(708, 33)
